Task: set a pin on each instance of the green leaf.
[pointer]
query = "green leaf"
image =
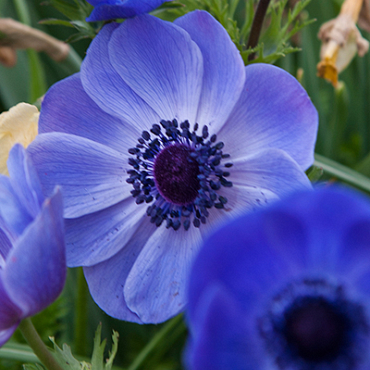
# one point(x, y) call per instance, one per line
point(38, 84)
point(57, 22)
point(65, 358)
point(97, 360)
point(17, 352)
point(112, 354)
point(315, 173)
point(343, 173)
point(33, 367)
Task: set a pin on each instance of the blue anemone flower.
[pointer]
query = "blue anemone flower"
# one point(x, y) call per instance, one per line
point(163, 136)
point(112, 9)
point(287, 287)
point(32, 250)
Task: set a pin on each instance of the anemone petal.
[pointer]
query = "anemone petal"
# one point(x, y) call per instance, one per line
point(35, 269)
point(12, 211)
point(7, 333)
point(273, 111)
point(224, 71)
point(10, 313)
point(271, 169)
point(222, 335)
point(253, 254)
point(155, 287)
point(105, 86)
point(24, 180)
point(67, 108)
point(113, 227)
point(106, 280)
point(93, 176)
point(108, 9)
point(161, 64)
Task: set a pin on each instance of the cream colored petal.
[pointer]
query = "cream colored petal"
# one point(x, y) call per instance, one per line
point(18, 125)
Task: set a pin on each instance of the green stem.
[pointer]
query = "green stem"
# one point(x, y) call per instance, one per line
point(39, 348)
point(254, 35)
point(81, 313)
point(170, 325)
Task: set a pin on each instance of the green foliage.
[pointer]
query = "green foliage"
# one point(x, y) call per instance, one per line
point(33, 367)
point(280, 25)
point(66, 360)
point(76, 11)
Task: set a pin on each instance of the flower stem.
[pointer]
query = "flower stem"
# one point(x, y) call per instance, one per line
point(170, 325)
point(39, 348)
point(254, 35)
point(81, 313)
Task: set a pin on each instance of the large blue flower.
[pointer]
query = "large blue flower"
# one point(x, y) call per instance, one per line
point(32, 250)
point(163, 136)
point(112, 9)
point(285, 288)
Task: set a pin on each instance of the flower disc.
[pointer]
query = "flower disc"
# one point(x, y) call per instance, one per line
point(176, 175)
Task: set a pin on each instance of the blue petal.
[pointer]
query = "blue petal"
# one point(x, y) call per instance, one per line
point(24, 180)
point(339, 222)
point(5, 244)
point(104, 85)
point(224, 71)
point(98, 236)
point(155, 288)
point(257, 181)
point(273, 111)
point(259, 252)
point(7, 333)
point(35, 269)
point(12, 212)
point(161, 64)
point(112, 9)
point(106, 280)
point(67, 108)
point(220, 336)
point(270, 169)
point(92, 176)
point(10, 314)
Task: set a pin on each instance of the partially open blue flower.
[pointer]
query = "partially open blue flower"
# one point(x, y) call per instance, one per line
point(112, 9)
point(163, 136)
point(287, 287)
point(32, 249)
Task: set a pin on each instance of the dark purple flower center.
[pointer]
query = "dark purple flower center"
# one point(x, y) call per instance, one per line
point(316, 329)
point(176, 174)
point(179, 172)
point(312, 325)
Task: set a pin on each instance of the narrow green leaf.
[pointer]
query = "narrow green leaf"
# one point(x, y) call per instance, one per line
point(343, 173)
point(57, 22)
point(38, 85)
point(18, 352)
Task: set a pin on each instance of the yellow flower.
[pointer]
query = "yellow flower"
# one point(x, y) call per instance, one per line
point(341, 40)
point(18, 125)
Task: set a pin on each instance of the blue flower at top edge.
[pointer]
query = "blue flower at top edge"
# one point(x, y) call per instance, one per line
point(105, 10)
point(32, 250)
point(285, 288)
point(162, 137)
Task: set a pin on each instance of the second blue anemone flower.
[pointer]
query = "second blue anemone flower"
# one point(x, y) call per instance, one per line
point(162, 137)
point(105, 10)
point(32, 250)
point(287, 288)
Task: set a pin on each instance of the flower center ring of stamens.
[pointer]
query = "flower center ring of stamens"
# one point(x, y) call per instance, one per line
point(180, 172)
